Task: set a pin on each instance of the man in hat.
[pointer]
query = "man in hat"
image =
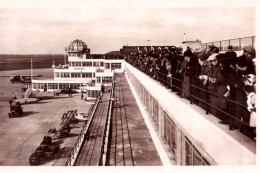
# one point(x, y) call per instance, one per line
point(249, 52)
point(231, 55)
point(217, 85)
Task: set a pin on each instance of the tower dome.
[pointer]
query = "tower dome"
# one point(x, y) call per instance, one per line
point(77, 46)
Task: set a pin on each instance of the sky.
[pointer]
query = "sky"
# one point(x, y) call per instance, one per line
point(43, 28)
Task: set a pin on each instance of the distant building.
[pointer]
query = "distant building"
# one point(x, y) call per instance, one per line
point(82, 73)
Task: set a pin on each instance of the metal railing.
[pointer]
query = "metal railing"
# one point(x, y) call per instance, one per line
point(171, 82)
point(73, 155)
point(237, 43)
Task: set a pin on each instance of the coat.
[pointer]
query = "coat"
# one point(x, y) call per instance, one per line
point(218, 87)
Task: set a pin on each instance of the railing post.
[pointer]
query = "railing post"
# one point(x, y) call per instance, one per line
point(190, 90)
point(239, 43)
point(206, 101)
point(253, 41)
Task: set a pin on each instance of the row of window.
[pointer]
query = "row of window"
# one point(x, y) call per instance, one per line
point(75, 75)
point(104, 80)
point(87, 64)
point(190, 154)
point(96, 64)
point(93, 93)
point(56, 86)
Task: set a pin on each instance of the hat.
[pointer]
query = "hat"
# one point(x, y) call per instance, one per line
point(230, 47)
point(188, 53)
point(249, 49)
point(213, 48)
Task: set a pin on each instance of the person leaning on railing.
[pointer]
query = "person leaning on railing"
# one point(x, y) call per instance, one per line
point(216, 85)
point(173, 67)
point(184, 65)
point(192, 72)
point(243, 68)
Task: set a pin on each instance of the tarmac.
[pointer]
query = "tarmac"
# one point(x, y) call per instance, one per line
point(19, 137)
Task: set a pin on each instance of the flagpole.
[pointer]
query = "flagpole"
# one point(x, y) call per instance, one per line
point(31, 70)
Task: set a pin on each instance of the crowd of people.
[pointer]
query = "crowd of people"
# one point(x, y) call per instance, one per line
point(223, 84)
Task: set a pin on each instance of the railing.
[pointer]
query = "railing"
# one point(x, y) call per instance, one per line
point(206, 101)
point(184, 130)
point(237, 43)
point(177, 83)
point(104, 146)
point(73, 155)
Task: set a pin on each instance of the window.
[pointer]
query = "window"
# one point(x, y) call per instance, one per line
point(98, 79)
point(75, 75)
point(107, 65)
point(87, 75)
point(192, 155)
point(95, 64)
point(115, 66)
point(76, 64)
point(65, 75)
point(106, 79)
point(63, 86)
point(87, 64)
point(57, 74)
point(93, 93)
point(101, 64)
point(74, 86)
point(170, 133)
point(40, 85)
point(53, 86)
point(155, 112)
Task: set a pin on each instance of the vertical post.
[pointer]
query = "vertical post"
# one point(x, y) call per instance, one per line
point(253, 41)
point(239, 43)
point(179, 147)
point(65, 50)
point(31, 73)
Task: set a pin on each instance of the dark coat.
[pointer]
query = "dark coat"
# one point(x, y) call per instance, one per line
point(219, 87)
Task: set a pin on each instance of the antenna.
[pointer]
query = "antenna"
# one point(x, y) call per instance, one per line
point(184, 37)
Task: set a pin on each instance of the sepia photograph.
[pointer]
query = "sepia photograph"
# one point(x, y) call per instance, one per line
point(161, 85)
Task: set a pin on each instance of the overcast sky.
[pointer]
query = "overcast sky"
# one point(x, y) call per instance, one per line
point(50, 30)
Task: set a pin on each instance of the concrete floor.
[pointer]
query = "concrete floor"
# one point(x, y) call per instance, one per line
point(19, 137)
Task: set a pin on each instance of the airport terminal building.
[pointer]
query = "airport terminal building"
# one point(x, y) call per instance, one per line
point(82, 73)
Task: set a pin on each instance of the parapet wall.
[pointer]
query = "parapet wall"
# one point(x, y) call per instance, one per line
point(192, 138)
